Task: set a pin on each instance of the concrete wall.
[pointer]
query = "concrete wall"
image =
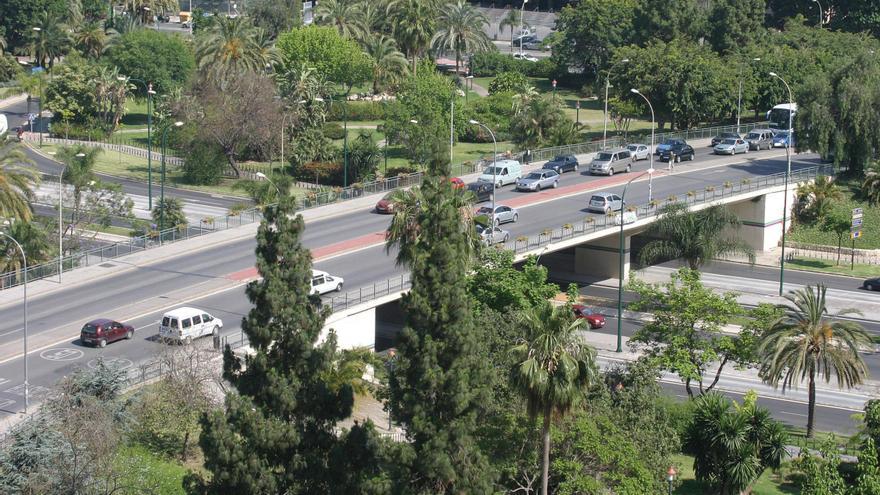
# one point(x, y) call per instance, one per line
point(600, 258)
point(761, 219)
point(354, 329)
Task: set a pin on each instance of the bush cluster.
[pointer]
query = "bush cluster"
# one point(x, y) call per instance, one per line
point(357, 111)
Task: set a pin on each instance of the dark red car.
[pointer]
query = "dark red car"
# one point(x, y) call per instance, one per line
point(596, 320)
point(385, 205)
point(102, 331)
point(457, 183)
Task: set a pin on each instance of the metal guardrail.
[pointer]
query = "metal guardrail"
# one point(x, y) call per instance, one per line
point(369, 293)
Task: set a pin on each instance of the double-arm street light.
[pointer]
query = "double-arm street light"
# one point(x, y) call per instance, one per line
point(162, 188)
point(605, 114)
point(24, 357)
point(787, 174)
point(651, 150)
point(40, 103)
point(821, 13)
point(620, 272)
point(740, 93)
point(150, 93)
point(521, 26)
point(494, 163)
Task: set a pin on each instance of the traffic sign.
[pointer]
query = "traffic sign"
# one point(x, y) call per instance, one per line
point(857, 212)
point(857, 221)
point(856, 234)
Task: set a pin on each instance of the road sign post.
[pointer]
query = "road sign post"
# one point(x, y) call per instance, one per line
point(855, 233)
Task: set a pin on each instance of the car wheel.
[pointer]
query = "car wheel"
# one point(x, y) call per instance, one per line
point(188, 340)
point(691, 158)
point(629, 168)
point(515, 217)
point(129, 335)
point(610, 172)
point(538, 188)
point(869, 287)
point(339, 287)
point(215, 332)
point(555, 184)
point(678, 159)
point(607, 210)
point(576, 168)
point(499, 184)
point(506, 237)
point(102, 343)
point(497, 221)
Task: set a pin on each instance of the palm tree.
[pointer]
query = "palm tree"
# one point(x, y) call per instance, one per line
point(372, 16)
point(264, 192)
point(90, 39)
point(34, 242)
point(461, 30)
point(79, 173)
point(805, 344)
point(344, 15)
point(18, 179)
point(389, 65)
point(820, 195)
point(146, 9)
point(553, 368)
point(871, 183)
point(232, 44)
point(122, 24)
point(168, 213)
point(412, 25)
point(696, 237)
point(534, 117)
point(512, 20)
point(49, 40)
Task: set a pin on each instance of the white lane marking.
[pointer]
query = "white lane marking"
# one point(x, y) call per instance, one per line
point(6, 403)
point(114, 362)
point(62, 354)
point(793, 414)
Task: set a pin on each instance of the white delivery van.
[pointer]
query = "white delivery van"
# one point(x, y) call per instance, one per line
point(323, 282)
point(186, 324)
point(503, 172)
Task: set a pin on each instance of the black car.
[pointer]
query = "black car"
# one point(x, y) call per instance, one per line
point(481, 190)
point(563, 163)
point(680, 150)
point(872, 284)
point(724, 135)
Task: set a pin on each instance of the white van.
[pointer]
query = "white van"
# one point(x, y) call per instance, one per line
point(504, 172)
point(323, 282)
point(186, 324)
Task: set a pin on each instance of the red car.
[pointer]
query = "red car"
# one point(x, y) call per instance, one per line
point(385, 205)
point(457, 183)
point(102, 331)
point(596, 320)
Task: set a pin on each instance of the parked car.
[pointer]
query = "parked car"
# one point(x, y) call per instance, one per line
point(595, 320)
point(668, 143)
point(103, 331)
point(457, 183)
point(605, 202)
point(323, 282)
point(724, 135)
point(525, 39)
point(385, 205)
point(760, 138)
point(186, 324)
point(781, 140)
point(503, 214)
point(538, 180)
point(731, 146)
point(492, 235)
point(609, 162)
point(871, 284)
point(524, 56)
point(481, 190)
point(639, 151)
point(503, 172)
point(563, 163)
point(680, 150)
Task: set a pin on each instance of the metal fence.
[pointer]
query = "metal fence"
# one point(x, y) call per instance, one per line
point(845, 257)
point(369, 293)
point(127, 146)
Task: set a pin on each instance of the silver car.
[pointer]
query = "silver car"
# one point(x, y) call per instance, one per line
point(639, 151)
point(537, 180)
point(492, 235)
point(503, 214)
point(605, 202)
point(731, 147)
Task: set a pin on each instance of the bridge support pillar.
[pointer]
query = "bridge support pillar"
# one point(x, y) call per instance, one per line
point(761, 219)
point(353, 329)
point(601, 258)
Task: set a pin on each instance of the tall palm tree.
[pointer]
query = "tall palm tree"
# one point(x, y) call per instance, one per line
point(18, 178)
point(90, 39)
point(122, 24)
point(373, 18)
point(33, 240)
point(806, 344)
point(512, 20)
point(146, 9)
point(820, 195)
point(79, 173)
point(389, 65)
point(413, 23)
point(49, 41)
point(534, 117)
point(696, 237)
point(460, 29)
point(344, 15)
point(232, 44)
point(871, 183)
point(553, 368)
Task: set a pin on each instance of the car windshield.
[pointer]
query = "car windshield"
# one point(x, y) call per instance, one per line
point(89, 328)
point(782, 135)
point(673, 142)
point(484, 211)
point(559, 158)
point(753, 135)
point(597, 199)
point(729, 141)
point(632, 147)
point(492, 171)
point(534, 176)
point(603, 157)
point(729, 135)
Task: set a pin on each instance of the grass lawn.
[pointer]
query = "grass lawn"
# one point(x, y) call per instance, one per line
point(768, 484)
point(135, 114)
point(830, 266)
point(870, 239)
point(163, 475)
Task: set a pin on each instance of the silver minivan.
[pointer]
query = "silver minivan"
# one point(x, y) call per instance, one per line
point(505, 172)
point(609, 162)
point(760, 138)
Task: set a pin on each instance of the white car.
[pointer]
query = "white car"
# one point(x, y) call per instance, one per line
point(524, 56)
point(639, 151)
point(186, 324)
point(323, 282)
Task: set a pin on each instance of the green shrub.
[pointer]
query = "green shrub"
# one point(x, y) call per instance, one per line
point(401, 170)
point(204, 163)
point(332, 130)
point(9, 68)
point(357, 111)
point(493, 63)
point(74, 130)
point(514, 82)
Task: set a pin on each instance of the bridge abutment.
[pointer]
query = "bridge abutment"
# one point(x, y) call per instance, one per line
point(600, 258)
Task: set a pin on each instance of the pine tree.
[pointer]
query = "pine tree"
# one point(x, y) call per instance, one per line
point(439, 383)
point(277, 432)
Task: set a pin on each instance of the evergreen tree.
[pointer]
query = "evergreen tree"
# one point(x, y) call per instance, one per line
point(277, 432)
point(439, 382)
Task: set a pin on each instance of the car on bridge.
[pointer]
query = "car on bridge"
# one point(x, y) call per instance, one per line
point(731, 146)
point(386, 204)
point(103, 331)
point(639, 151)
point(525, 56)
point(605, 202)
point(677, 152)
point(611, 161)
point(594, 318)
point(538, 180)
point(323, 282)
point(492, 235)
point(562, 163)
point(503, 214)
point(668, 143)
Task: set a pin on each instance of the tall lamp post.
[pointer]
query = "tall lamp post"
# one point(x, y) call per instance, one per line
point(608, 85)
point(40, 102)
point(24, 357)
point(821, 13)
point(494, 163)
point(162, 188)
point(261, 175)
point(785, 189)
point(522, 12)
point(740, 94)
point(150, 93)
point(620, 271)
point(651, 154)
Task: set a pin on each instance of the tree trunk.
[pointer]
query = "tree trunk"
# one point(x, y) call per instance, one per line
point(230, 158)
point(185, 446)
point(717, 375)
point(811, 403)
point(687, 387)
point(839, 243)
point(545, 464)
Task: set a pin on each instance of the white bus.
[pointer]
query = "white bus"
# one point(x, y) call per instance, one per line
point(778, 116)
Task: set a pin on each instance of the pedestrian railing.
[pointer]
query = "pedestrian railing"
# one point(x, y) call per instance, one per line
point(365, 294)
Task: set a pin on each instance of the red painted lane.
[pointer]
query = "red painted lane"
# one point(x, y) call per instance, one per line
point(378, 238)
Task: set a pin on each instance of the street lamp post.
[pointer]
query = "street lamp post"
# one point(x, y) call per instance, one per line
point(521, 26)
point(150, 93)
point(162, 188)
point(261, 175)
point(40, 103)
point(620, 272)
point(494, 164)
point(605, 114)
point(740, 94)
point(651, 151)
point(24, 357)
point(821, 13)
point(785, 188)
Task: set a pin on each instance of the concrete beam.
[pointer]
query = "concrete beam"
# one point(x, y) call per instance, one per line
point(601, 257)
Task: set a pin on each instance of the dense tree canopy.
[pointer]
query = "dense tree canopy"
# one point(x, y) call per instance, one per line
point(17, 18)
point(164, 60)
point(591, 30)
point(335, 58)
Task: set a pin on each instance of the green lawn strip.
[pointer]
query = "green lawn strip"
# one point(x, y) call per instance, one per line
point(10, 91)
point(829, 266)
point(768, 484)
point(813, 234)
point(153, 471)
point(135, 114)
